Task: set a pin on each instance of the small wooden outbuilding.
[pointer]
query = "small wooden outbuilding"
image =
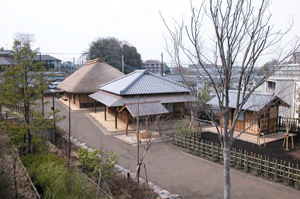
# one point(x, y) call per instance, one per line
point(260, 112)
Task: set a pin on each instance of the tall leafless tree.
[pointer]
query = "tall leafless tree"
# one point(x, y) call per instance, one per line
point(241, 34)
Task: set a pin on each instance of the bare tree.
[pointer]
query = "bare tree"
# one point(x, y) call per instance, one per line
point(241, 35)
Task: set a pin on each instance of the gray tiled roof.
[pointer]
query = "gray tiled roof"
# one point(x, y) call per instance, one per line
point(255, 102)
point(174, 77)
point(142, 109)
point(6, 52)
point(6, 61)
point(45, 58)
point(143, 82)
point(113, 100)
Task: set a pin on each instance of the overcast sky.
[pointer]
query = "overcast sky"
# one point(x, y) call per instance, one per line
point(65, 28)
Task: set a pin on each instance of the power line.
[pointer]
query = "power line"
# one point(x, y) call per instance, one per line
point(63, 53)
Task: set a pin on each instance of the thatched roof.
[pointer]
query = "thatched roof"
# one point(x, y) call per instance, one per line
point(88, 78)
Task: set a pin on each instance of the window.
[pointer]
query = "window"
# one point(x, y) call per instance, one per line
point(271, 85)
point(169, 107)
point(241, 116)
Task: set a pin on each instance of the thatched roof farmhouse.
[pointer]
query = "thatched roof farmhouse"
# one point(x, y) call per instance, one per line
point(86, 80)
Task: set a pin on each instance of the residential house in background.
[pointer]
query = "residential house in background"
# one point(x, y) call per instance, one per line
point(153, 94)
point(86, 81)
point(51, 63)
point(253, 81)
point(261, 110)
point(6, 58)
point(287, 89)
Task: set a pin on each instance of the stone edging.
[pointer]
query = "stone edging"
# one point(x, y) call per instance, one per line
point(164, 194)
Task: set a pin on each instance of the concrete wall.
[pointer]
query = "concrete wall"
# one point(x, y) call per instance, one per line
point(286, 89)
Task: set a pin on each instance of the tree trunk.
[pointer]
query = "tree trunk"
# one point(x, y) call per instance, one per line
point(43, 107)
point(227, 184)
point(27, 120)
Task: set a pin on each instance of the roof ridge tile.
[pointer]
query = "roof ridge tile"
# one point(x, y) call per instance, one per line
point(134, 81)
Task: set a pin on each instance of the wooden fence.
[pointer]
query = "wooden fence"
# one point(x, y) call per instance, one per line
point(250, 162)
point(294, 122)
point(18, 109)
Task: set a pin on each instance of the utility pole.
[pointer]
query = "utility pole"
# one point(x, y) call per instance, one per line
point(73, 65)
point(69, 136)
point(162, 64)
point(123, 64)
point(53, 110)
point(138, 140)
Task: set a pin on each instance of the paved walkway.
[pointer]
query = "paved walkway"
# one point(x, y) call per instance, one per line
point(171, 168)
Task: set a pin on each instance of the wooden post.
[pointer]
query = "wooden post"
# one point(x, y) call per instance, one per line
point(173, 137)
point(279, 122)
point(95, 106)
point(116, 120)
point(137, 126)
point(126, 129)
point(269, 121)
point(159, 126)
point(105, 113)
point(79, 100)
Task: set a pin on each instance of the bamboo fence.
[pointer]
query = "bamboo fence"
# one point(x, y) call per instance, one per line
point(277, 170)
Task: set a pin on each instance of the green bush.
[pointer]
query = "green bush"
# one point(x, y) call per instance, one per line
point(54, 180)
point(182, 128)
point(92, 161)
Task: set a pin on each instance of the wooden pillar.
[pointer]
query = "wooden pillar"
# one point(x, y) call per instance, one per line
point(268, 120)
point(79, 99)
point(116, 120)
point(137, 127)
point(126, 129)
point(159, 126)
point(95, 106)
point(104, 112)
point(88, 101)
point(147, 126)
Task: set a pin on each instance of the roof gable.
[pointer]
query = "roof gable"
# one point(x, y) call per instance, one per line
point(6, 61)
point(143, 82)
